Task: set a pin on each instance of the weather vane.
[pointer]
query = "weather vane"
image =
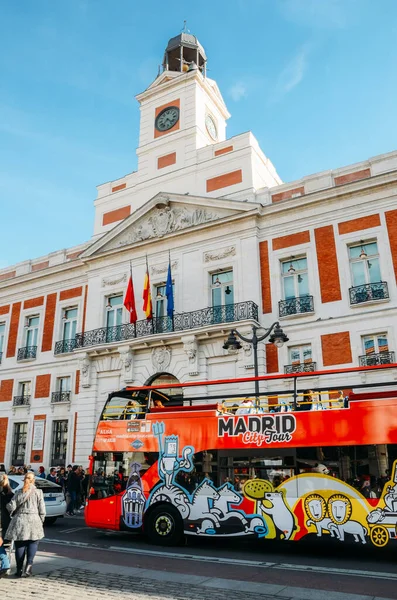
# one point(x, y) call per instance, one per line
point(185, 29)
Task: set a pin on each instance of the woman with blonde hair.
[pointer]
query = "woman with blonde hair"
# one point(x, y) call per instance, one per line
point(6, 495)
point(27, 511)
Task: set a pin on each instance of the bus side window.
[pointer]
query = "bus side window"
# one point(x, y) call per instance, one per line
point(205, 467)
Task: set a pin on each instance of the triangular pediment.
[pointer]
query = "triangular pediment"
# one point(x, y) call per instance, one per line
point(168, 214)
point(163, 78)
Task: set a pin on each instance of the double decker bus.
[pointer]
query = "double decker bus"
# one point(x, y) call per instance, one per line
point(279, 465)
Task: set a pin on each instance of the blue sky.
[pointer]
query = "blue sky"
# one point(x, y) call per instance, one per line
point(315, 80)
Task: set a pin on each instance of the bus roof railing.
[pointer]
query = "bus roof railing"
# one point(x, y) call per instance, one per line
point(292, 376)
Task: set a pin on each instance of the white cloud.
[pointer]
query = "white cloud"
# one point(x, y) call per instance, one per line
point(238, 91)
point(293, 72)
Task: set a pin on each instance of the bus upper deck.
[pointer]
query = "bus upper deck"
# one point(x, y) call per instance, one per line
point(239, 464)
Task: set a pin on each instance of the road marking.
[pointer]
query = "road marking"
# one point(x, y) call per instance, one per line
point(354, 572)
point(72, 530)
point(231, 561)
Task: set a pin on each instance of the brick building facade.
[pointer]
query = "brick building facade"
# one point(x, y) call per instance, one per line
point(318, 254)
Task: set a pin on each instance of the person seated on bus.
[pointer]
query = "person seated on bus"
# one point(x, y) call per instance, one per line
point(156, 403)
point(246, 407)
point(130, 411)
point(305, 402)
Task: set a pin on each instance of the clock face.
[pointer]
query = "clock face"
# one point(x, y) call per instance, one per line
point(211, 127)
point(167, 118)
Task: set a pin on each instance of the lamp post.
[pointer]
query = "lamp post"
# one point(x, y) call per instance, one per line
point(277, 338)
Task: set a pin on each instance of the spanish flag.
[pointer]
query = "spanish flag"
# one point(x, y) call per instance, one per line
point(147, 297)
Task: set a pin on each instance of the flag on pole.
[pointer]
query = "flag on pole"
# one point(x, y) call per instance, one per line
point(129, 300)
point(147, 297)
point(169, 292)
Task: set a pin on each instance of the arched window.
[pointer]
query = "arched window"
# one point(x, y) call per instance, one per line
point(175, 394)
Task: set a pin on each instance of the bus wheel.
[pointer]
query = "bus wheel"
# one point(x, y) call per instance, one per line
point(379, 536)
point(164, 525)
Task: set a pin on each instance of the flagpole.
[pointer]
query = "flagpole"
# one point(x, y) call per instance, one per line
point(134, 299)
point(169, 262)
point(150, 292)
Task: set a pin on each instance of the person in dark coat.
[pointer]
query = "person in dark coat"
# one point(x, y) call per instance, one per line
point(73, 486)
point(27, 510)
point(6, 495)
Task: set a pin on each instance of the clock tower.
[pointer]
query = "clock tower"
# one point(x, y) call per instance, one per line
point(181, 111)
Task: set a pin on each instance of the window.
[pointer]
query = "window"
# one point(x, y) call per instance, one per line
point(114, 311)
point(374, 344)
point(59, 442)
point(163, 321)
point(364, 264)
point(19, 443)
point(114, 318)
point(376, 350)
point(295, 278)
point(63, 384)
point(2, 335)
point(222, 295)
point(32, 331)
point(295, 286)
point(69, 321)
point(25, 388)
point(300, 359)
point(222, 288)
point(160, 301)
point(300, 354)
point(238, 466)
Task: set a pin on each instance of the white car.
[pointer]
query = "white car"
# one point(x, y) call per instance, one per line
point(54, 497)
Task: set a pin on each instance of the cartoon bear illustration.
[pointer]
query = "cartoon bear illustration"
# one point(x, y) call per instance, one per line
point(274, 505)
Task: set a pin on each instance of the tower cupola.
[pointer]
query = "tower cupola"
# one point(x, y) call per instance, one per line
point(184, 53)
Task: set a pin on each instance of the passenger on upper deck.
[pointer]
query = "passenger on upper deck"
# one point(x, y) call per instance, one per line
point(246, 407)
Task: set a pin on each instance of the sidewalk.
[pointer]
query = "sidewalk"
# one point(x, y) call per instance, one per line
point(60, 578)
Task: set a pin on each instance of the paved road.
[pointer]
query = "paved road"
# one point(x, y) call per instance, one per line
point(75, 560)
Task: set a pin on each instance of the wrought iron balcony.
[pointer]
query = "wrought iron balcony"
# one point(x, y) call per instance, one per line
point(300, 368)
point(57, 397)
point(376, 358)
point(368, 292)
point(21, 401)
point(27, 353)
point(295, 306)
point(65, 346)
point(180, 322)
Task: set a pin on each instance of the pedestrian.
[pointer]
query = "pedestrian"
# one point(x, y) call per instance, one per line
point(27, 510)
point(41, 473)
point(6, 495)
point(12, 471)
point(73, 486)
point(62, 479)
point(52, 475)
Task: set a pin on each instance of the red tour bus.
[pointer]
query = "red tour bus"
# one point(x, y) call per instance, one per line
point(317, 463)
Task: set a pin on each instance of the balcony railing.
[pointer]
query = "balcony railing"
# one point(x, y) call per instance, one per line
point(57, 397)
point(27, 352)
point(180, 322)
point(368, 292)
point(300, 368)
point(379, 358)
point(295, 306)
point(64, 346)
point(21, 401)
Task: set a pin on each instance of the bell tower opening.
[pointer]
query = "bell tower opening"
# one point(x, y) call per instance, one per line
point(184, 53)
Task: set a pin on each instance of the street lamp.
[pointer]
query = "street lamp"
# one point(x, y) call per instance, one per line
point(277, 338)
